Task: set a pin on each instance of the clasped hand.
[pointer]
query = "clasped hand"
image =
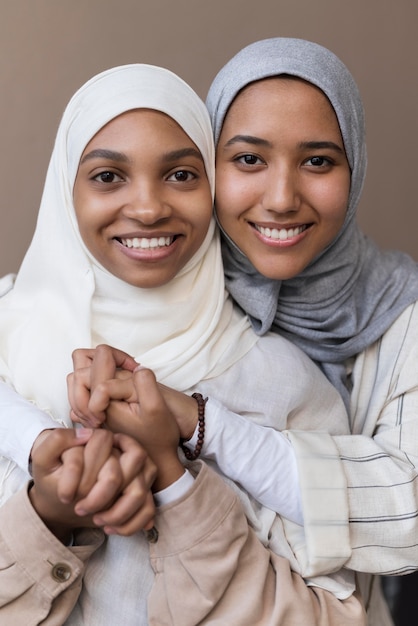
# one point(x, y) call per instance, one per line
point(104, 474)
point(108, 388)
point(85, 477)
point(105, 379)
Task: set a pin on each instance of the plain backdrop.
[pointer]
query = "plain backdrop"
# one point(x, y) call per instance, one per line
point(48, 48)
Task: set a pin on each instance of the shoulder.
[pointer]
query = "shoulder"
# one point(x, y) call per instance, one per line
point(284, 356)
point(390, 364)
point(401, 338)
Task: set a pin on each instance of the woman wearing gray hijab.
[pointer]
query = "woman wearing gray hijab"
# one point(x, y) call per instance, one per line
point(289, 127)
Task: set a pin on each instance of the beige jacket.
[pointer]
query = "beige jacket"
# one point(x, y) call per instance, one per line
point(209, 566)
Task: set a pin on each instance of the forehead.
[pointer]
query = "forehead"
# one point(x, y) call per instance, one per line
point(283, 100)
point(140, 125)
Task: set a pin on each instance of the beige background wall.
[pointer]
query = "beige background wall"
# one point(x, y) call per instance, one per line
point(48, 48)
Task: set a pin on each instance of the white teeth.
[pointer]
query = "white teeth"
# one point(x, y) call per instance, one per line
point(145, 243)
point(282, 234)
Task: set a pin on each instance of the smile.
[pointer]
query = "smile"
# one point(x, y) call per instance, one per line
point(281, 234)
point(145, 243)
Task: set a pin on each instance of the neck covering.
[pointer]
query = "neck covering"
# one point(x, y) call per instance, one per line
point(351, 293)
point(63, 299)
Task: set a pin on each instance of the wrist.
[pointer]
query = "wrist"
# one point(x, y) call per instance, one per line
point(176, 490)
point(63, 532)
point(168, 473)
point(187, 419)
point(38, 441)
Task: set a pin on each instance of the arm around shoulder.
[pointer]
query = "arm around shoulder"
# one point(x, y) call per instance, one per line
point(21, 422)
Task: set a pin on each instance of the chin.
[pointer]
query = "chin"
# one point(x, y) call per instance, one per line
point(277, 273)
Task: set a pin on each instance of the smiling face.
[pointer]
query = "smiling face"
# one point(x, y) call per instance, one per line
point(142, 198)
point(282, 176)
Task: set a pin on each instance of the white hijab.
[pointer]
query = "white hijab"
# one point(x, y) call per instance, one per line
point(63, 299)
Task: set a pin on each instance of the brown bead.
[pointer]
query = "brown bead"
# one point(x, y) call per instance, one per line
point(201, 403)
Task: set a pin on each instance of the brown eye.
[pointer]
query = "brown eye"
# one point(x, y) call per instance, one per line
point(107, 177)
point(318, 161)
point(182, 176)
point(250, 159)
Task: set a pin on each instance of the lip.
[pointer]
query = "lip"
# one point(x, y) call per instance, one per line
point(280, 235)
point(150, 247)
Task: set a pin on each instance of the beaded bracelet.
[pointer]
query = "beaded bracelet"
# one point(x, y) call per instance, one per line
point(201, 403)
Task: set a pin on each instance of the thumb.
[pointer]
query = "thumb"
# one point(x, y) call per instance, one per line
point(48, 453)
point(147, 389)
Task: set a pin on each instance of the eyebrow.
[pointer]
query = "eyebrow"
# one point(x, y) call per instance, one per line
point(258, 141)
point(101, 153)
point(113, 155)
point(255, 141)
point(175, 155)
point(321, 145)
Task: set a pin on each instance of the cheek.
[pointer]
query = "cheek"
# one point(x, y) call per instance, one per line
point(334, 200)
point(201, 217)
point(93, 213)
point(225, 213)
point(203, 222)
point(233, 194)
point(87, 223)
point(84, 211)
point(226, 187)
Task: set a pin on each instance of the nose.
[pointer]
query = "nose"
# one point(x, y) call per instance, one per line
point(281, 191)
point(146, 203)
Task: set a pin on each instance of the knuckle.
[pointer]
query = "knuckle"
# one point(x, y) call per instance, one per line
point(146, 373)
point(58, 435)
point(113, 474)
point(103, 436)
point(141, 455)
point(77, 354)
point(103, 350)
point(73, 461)
point(151, 469)
point(101, 388)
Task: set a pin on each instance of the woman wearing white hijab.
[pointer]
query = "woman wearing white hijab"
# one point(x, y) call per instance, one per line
point(351, 307)
point(63, 298)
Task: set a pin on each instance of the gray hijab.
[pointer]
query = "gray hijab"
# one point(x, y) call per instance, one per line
point(352, 292)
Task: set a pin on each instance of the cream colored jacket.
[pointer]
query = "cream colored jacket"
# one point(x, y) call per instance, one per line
point(209, 569)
